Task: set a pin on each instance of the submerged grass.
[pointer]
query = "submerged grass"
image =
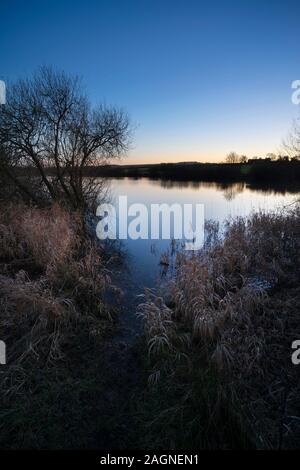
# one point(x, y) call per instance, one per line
point(219, 349)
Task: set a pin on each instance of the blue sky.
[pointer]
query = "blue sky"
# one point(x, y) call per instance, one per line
point(198, 78)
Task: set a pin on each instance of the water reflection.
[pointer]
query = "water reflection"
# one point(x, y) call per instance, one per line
point(221, 201)
point(230, 188)
point(231, 191)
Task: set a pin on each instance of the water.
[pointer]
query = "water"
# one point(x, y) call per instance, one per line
point(220, 203)
point(142, 268)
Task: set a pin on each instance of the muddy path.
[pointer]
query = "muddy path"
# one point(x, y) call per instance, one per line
point(122, 368)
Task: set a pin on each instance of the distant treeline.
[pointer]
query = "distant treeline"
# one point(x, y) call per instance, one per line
point(254, 172)
point(283, 175)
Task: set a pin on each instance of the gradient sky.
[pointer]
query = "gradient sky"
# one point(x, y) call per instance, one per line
point(198, 78)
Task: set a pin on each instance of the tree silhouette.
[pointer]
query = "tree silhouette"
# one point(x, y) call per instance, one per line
point(48, 123)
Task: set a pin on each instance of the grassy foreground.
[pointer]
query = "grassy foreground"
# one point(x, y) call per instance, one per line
point(54, 319)
point(219, 343)
point(213, 369)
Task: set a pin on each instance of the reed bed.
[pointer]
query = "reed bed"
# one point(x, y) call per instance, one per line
point(219, 347)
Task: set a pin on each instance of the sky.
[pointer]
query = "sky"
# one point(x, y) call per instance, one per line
point(198, 78)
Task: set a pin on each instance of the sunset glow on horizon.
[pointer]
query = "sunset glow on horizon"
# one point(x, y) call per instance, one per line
point(197, 81)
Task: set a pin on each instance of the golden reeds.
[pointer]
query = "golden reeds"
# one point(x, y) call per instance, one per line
point(232, 301)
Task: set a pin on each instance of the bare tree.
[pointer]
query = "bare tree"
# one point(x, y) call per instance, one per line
point(49, 126)
point(232, 157)
point(292, 143)
point(272, 156)
point(243, 159)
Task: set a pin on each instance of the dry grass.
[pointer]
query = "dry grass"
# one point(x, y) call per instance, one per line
point(52, 283)
point(33, 320)
point(54, 320)
point(232, 309)
point(49, 236)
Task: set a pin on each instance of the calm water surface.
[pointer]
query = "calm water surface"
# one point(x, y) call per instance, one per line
point(220, 203)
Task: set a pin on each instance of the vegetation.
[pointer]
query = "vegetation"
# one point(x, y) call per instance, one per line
point(292, 143)
point(219, 342)
point(216, 349)
point(54, 320)
point(233, 157)
point(65, 378)
point(258, 173)
point(54, 278)
point(49, 122)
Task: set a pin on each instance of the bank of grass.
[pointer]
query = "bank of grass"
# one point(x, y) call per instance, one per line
point(219, 348)
point(53, 319)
